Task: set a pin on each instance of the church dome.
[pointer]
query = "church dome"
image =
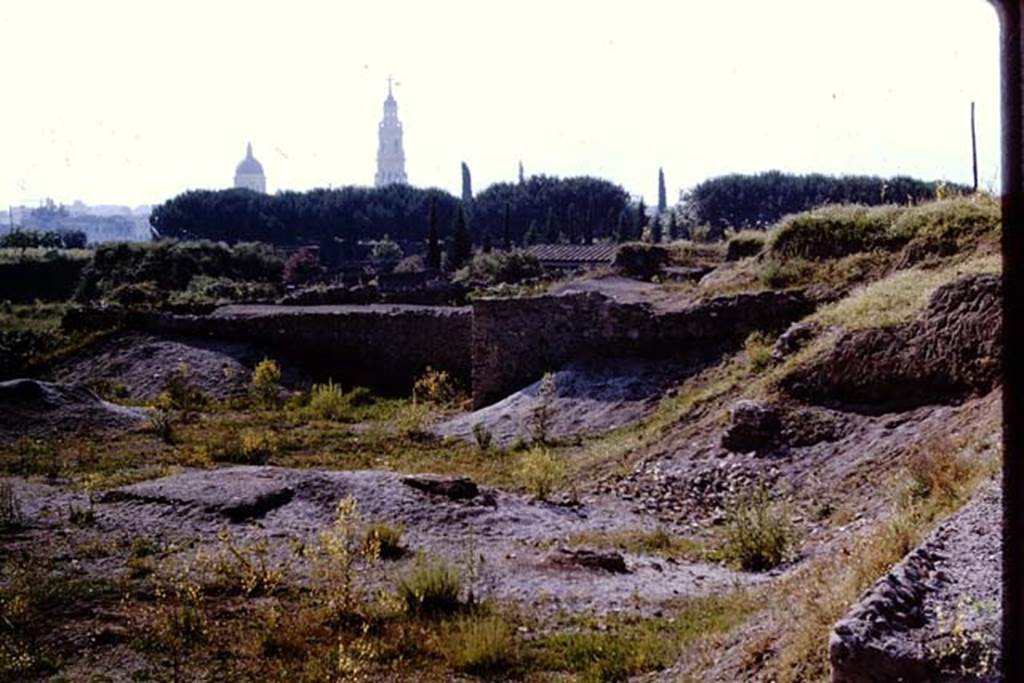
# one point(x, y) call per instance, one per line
point(249, 165)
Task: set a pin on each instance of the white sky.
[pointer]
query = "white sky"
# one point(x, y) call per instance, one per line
point(133, 102)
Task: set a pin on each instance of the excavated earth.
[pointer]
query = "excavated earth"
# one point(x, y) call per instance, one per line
point(140, 365)
point(518, 545)
point(34, 409)
point(589, 397)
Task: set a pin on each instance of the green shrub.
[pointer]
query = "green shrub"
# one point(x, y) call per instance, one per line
point(265, 385)
point(430, 588)
point(758, 347)
point(161, 423)
point(328, 401)
point(179, 393)
point(384, 541)
point(171, 266)
point(949, 225)
point(47, 276)
point(758, 534)
point(542, 413)
point(481, 646)
point(541, 472)
point(745, 243)
point(499, 267)
point(207, 290)
point(482, 437)
point(642, 261)
point(835, 231)
point(435, 386)
point(245, 447)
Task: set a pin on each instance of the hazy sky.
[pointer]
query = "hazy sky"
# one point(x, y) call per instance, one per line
point(133, 102)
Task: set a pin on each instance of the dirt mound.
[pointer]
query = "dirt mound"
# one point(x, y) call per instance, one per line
point(936, 615)
point(138, 366)
point(590, 396)
point(950, 350)
point(37, 409)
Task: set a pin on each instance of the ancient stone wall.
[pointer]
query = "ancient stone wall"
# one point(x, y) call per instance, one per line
point(516, 340)
point(382, 346)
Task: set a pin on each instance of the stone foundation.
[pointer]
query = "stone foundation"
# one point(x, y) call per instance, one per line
point(380, 346)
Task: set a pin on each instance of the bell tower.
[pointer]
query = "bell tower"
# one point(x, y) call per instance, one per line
point(390, 155)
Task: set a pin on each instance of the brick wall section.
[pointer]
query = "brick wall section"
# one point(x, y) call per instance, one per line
point(516, 340)
point(382, 346)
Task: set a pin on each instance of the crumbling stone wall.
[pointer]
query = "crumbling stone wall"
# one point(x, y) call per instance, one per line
point(381, 346)
point(516, 340)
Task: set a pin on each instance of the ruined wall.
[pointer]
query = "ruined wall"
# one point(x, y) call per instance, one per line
point(382, 346)
point(516, 340)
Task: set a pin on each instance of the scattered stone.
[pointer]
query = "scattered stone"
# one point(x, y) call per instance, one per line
point(935, 615)
point(454, 488)
point(601, 560)
point(755, 426)
point(793, 339)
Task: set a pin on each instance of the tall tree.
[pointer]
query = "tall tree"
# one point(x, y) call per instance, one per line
point(656, 233)
point(522, 177)
point(570, 223)
point(662, 196)
point(433, 238)
point(467, 185)
point(506, 228)
point(673, 226)
point(550, 227)
point(640, 220)
point(460, 243)
point(485, 242)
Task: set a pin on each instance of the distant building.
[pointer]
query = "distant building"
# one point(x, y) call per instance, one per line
point(390, 155)
point(249, 173)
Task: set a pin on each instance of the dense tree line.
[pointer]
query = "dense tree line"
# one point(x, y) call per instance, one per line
point(575, 209)
point(578, 208)
point(50, 239)
point(320, 216)
point(758, 201)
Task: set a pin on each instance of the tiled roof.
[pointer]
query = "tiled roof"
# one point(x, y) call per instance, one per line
point(573, 253)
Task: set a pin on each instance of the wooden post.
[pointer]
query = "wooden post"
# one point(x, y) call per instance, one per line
point(974, 150)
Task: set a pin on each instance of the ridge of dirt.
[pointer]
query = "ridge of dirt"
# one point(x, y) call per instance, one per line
point(34, 409)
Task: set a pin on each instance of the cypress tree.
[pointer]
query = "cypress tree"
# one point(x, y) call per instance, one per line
point(673, 227)
point(460, 244)
point(522, 178)
point(641, 217)
point(506, 240)
point(485, 245)
point(662, 197)
point(467, 185)
point(433, 238)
